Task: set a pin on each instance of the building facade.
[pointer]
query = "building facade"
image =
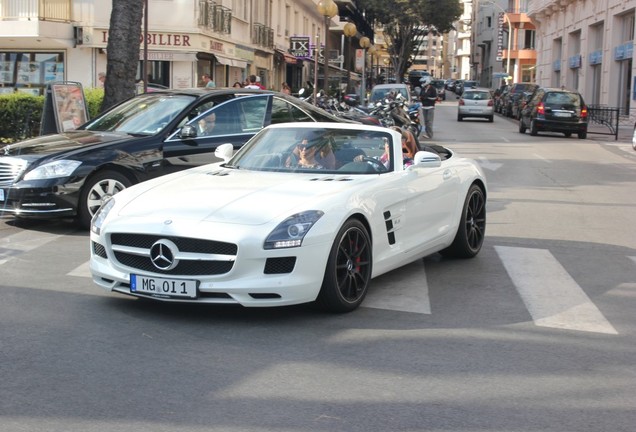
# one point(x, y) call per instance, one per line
point(588, 45)
point(66, 40)
point(503, 42)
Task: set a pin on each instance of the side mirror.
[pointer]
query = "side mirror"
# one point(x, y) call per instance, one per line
point(427, 159)
point(301, 92)
point(188, 131)
point(224, 151)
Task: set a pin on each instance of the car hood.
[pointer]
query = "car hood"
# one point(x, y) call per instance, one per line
point(61, 143)
point(234, 196)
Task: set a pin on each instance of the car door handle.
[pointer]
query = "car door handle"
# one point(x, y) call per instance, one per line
point(447, 174)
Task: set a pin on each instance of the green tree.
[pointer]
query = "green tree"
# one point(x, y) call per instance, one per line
point(405, 22)
point(122, 51)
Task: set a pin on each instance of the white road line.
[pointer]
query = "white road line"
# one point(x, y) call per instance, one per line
point(550, 294)
point(399, 290)
point(21, 242)
point(633, 259)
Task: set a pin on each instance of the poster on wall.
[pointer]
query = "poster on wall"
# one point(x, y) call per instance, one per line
point(64, 107)
point(6, 72)
point(29, 73)
point(53, 71)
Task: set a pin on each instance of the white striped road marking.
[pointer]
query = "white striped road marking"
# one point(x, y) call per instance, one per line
point(400, 290)
point(633, 259)
point(21, 242)
point(550, 294)
point(486, 164)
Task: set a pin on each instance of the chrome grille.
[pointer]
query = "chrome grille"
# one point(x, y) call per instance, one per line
point(10, 169)
point(204, 257)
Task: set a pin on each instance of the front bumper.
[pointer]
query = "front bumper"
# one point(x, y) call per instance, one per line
point(41, 202)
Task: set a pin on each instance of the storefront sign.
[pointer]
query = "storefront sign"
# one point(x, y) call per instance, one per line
point(299, 46)
point(159, 39)
point(500, 32)
point(624, 51)
point(574, 61)
point(596, 57)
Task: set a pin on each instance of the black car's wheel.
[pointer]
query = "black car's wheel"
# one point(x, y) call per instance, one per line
point(567, 134)
point(472, 226)
point(582, 134)
point(533, 128)
point(522, 126)
point(348, 269)
point(96, 191)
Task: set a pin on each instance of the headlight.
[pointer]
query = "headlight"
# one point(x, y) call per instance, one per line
point(61, 168)
point(100, 216)
point(291, 231)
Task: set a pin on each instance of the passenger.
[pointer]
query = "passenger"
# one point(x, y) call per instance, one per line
point(304, 156)
point(325, 157)
point(409, 147)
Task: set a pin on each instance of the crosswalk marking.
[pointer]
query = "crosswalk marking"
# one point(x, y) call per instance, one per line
point(550, 294)
point(401, 291)
point(21, 242)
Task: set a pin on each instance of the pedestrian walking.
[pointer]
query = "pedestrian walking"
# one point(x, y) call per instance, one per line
point(428, 98)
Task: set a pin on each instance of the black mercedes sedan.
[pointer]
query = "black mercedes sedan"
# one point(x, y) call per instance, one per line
point(71, 174)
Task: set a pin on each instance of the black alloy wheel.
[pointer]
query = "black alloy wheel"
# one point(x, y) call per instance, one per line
point(472, 226)
point(348, 270)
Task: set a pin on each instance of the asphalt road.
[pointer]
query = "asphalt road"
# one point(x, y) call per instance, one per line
point(537, 333)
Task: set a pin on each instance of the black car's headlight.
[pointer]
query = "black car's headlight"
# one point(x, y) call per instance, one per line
point(100, 216)
point(56, 169)
point(291, 231)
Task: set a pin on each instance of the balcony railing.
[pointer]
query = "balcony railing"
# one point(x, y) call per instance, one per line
point(263, 35)
point(44, 10)
point(215, 17)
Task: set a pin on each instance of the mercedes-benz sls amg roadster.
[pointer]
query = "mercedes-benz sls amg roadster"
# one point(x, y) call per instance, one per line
point(304, 212)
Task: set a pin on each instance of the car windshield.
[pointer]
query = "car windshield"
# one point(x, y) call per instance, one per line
point(476, 95)
point(147, 114)
point(379, 94)
point(316, 150)
point(562, 98)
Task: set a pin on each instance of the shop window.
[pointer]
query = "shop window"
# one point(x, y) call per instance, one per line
point(29, 72)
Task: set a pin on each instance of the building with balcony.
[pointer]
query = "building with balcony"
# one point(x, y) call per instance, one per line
point(66, 40)
point(587, 46)
point(503, 42)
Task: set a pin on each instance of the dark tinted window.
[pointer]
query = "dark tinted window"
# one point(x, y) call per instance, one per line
point(562, 98)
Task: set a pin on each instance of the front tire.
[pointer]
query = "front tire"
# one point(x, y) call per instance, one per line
point(582, 135)
point(472, 226)
point(96, 191)
point(348, 270)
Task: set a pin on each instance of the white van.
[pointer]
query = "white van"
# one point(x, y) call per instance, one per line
point(382, 91)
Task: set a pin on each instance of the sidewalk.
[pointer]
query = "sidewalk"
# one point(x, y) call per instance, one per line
point(625, 132)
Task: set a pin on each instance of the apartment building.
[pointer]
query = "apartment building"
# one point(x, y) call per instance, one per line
point(54, 40)
point(587, 45)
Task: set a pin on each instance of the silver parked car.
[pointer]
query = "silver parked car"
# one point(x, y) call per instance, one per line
point(476, 102)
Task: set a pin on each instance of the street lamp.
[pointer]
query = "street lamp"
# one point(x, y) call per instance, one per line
point(365, 43)
point(328, 9)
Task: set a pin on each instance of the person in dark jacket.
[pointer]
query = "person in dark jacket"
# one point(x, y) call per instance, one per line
point(428, 98)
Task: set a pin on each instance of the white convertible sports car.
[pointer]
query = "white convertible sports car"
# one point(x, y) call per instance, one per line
point(303, 212)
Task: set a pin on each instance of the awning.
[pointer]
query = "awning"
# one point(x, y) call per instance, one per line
point(169, 56)
point(287, 57)
point(227, 61)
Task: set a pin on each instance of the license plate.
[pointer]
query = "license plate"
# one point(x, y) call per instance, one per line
point(562, 114)
point(160, 287)
point(1, 194)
